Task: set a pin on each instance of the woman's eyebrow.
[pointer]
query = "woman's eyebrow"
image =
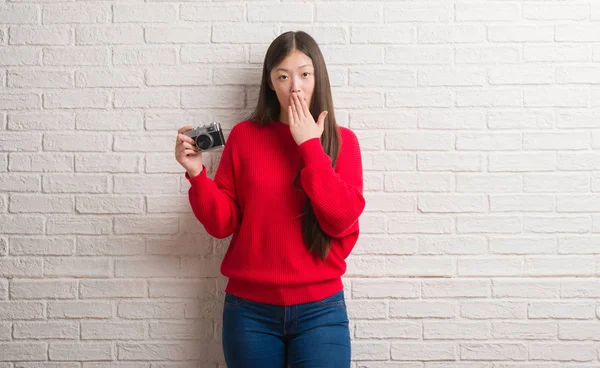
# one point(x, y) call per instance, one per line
point(285, 70)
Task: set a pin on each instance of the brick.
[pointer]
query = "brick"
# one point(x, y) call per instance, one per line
point(429, 351)
point(109, 35)
point(549, 11)
point(79, 56)
point(556, 183)
point(366, 309)
point(151, 310)
point(563, 351)
point(526, 288)
point(488, 267)
point(43, 289)
point(488, 12)
point(457, 76)
point(437, 11)
point(146, 13)
point(487, 54)
point(395, 34)
point(21, 224)
point(571, 224)
point(40, 79)
point(20, 56)
point(207, 13)
point(561, 310)
point(140, 185)
point(517, 33)
point(47, 245)
point(162, 163)
point(521, 203)
point(79, 310)
point(392, 288)
point(113, 163)
point(577, 245)
point(109, 205)
point(88, 225)
point(456, 288)
point(150, 351)
point(162, 267)
point(118, 245)
point(433, 33)
point(109, 78)
point(18, 14)
point(211, 54)
point(530, 119)
point(360, 54)
point(499, 97)
point(77, 267)
point(452, 245)
point(433, 330)
point(23, 203)
point(419, 98)
point(556, 53)
point(493, 351)
point(146, 225)
point(209, 97)
point(187, 76)
point(46, 330)
point(113, 331)
point(17, 141)
point(21, 310)
point(40, 121)
point(194, 330)
point(197, 289)
point(76, 14)
point(136, 56)
point(387, 330)
point(39, 35)
point(109, 121)
point(177, 34)
point(493, 310)
point(147, 99)
point(76, 99)
point(418, 55)
point(112, 289)
point(418, 266)
point(20, 101)
point(371, 350)
point(80, 351)
point(389, 203)
point(506, 75)
point(521, 162)
point(20, 183)
point(70, 183)
point(449, 162)
point(22, 351)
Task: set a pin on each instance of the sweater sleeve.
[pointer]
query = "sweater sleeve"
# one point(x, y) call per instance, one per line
point(336, 195)
point(214, 203)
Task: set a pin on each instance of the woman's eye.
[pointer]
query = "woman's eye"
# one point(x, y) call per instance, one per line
point(306, 73)
point(282, 76)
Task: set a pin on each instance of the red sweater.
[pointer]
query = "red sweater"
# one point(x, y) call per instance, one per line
point(252, 197)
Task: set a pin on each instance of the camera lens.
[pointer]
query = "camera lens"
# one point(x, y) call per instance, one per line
point(204, 141)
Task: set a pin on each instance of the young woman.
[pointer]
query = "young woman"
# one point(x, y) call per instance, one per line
point(289, 188)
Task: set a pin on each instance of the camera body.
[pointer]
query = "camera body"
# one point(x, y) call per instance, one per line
point(207, 137)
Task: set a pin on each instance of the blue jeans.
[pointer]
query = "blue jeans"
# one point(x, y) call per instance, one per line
point(308, 335)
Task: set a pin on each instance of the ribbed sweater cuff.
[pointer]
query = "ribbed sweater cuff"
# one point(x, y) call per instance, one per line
point(196, 179)
point(312, 151)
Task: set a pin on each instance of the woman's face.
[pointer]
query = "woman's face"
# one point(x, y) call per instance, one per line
point(295, 74)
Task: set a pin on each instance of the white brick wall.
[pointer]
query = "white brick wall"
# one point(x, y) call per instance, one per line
point(478, 122)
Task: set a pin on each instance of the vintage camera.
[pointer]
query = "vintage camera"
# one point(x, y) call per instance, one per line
point(207, 137)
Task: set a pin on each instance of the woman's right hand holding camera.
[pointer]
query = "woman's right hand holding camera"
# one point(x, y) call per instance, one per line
point(187, 154)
